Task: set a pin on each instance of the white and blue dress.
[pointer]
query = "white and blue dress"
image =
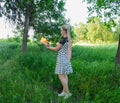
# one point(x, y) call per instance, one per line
point(63, 65)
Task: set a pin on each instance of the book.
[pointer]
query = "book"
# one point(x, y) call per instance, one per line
point(44, 41)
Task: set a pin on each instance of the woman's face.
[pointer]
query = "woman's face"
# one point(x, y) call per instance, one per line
point(62, 32)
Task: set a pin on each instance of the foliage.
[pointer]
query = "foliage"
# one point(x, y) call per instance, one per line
point(45, 16)
point(57, 36)
point(81, 31)
point(94, 31)
point(30, 78)
point(110, 9)
point(117, 28)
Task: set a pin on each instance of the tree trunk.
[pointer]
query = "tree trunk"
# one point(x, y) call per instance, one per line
point(117, 60)
point(26, 29)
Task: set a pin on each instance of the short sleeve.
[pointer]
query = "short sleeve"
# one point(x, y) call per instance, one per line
point(63, 41)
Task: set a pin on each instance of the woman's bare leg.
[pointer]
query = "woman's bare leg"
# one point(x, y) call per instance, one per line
point(64, 81)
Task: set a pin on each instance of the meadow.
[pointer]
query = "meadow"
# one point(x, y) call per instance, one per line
point(30, 78)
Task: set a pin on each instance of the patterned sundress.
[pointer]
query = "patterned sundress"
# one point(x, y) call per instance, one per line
point(63, 65)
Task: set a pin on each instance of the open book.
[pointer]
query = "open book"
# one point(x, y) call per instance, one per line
point(44, 41)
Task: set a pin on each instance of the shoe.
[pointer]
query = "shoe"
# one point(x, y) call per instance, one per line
point(62, 94)
point(67, 95)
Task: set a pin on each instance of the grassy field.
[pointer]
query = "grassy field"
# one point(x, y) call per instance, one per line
point(30, 78)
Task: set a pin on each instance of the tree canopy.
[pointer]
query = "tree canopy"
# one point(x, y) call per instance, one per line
point(45, 16)
point(95, 31)
point(108, 9)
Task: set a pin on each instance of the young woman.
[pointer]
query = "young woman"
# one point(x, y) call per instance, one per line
point(63, 65)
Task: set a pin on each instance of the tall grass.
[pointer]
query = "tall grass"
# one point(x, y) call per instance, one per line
point(30, 78)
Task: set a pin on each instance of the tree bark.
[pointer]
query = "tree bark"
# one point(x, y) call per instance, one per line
point(117, 60)
point(26, 29)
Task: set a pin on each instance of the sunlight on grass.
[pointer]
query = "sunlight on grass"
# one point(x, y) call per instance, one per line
point(92, 44)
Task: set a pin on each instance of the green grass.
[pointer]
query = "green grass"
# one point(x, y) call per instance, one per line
point(30, 78)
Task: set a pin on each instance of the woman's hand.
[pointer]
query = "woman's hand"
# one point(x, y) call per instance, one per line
point(57, 43)
point(57, 48)
point(47, 46)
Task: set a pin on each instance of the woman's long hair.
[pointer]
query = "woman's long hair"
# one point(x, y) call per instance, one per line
point(67, 29)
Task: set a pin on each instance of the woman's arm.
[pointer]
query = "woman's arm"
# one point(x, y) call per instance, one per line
point(57, 48)
point(69, 52)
